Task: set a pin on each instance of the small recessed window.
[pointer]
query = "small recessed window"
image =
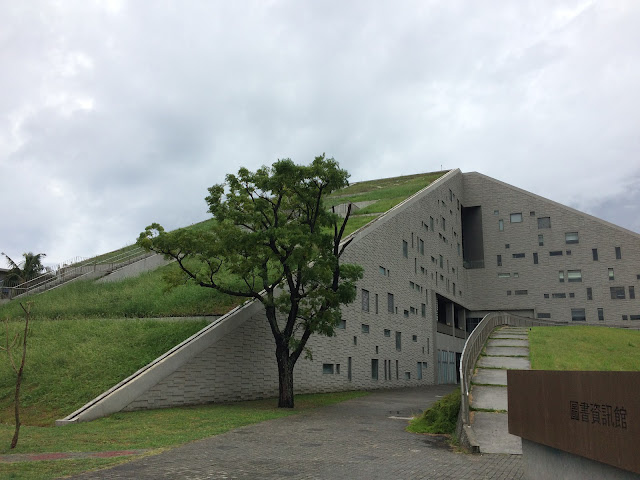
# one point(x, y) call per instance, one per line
point(555, 253)
point(365, 300)
point(406, 313)
point(414, 338)
point(507, 245)
point(578, 315)
point(546, 295)
point(571, 237)
point(574, 275)
point(535, 258)
point(540, 240)
point(399, 341)
point(342, 325)
point(365, 328)
point(424, 310)
point(496, 212)
point(508, 292)
point(499, 260)
point(601, 314)
point(407, 375)
point(632, 292)
point(504, 275)
point(522, 292)
point(390, 302)
point(617, 293)
point(501, 225)
point(532, 213)
point(516, 275)
point(544, 315)
point(544, 222)
point(387, 333)
point(561, 276)
point(327, 368)
point(572, 295)
point(611, 276)
point(558, 295)
point(624, 317)
point(405, 249)
point(355, 340)
point(618, 253)
point(374, 369)
point(518, 255)
point(516, 218)
point(382, 270)
point(594, 252)
point(589, 293)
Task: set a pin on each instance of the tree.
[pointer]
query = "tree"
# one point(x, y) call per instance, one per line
point(17, 368)
point(272, 231)
point(32, 267)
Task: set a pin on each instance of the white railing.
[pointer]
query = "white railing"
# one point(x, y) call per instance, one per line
point(475, 342)
point(71, 269)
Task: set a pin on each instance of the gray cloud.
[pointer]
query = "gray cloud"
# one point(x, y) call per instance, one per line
point(116, 114)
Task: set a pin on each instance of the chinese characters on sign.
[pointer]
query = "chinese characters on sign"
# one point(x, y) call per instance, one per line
point(606, 415)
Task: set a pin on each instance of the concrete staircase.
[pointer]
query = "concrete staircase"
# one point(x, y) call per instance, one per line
point(507, 348)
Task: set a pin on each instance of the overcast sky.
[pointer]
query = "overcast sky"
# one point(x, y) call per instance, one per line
point(116, 114)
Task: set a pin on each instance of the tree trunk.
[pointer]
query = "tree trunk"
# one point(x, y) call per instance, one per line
point(285, 377)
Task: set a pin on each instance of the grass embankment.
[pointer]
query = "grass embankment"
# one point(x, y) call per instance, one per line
point(584, 348)
point(440, 418)
point(69, 362)
point(150, 429)
point(386, 193)
point(144, 296)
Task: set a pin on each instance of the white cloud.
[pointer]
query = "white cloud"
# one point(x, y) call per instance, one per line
point(116, 114)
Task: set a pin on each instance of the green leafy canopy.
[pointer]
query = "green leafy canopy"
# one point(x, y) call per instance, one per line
point(272, 230)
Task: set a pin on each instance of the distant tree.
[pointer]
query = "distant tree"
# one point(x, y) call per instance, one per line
point(30, 269)
point(273, 232)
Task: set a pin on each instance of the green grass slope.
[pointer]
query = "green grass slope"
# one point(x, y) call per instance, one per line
point(70, 362)
point(584, 348)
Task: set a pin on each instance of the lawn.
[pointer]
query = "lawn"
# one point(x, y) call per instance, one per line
point(584, 348)
point(149, 429)
point(69, 362)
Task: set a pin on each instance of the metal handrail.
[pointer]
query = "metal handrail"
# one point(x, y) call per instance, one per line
point(74, 268)
point(475, 343)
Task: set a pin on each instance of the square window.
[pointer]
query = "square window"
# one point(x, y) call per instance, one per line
point(327, 368)
point(414, 338)
point(507, 245)
point(365, 328)
point(516, 218)
point(496, 212)
point(544, 222)
point(387, 333)
point(568, 252)
point(406, 313)
point(624, 317)
point(571, 237)
point(508, 292)
point(578, 315)
point(617, 293)
point(532, 213)
point(407, 375)
point(546, 295)
point(342, 324)
point(382, 270)
point(516, 275)
point(572, 295)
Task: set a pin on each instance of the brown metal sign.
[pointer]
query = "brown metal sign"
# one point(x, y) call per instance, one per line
point(592, 414)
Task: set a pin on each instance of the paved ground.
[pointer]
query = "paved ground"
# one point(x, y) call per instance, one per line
point(507, 347)
point(358, 439)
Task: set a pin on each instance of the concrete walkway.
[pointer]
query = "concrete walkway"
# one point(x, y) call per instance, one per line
point(507, 348)
point(364, 438)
